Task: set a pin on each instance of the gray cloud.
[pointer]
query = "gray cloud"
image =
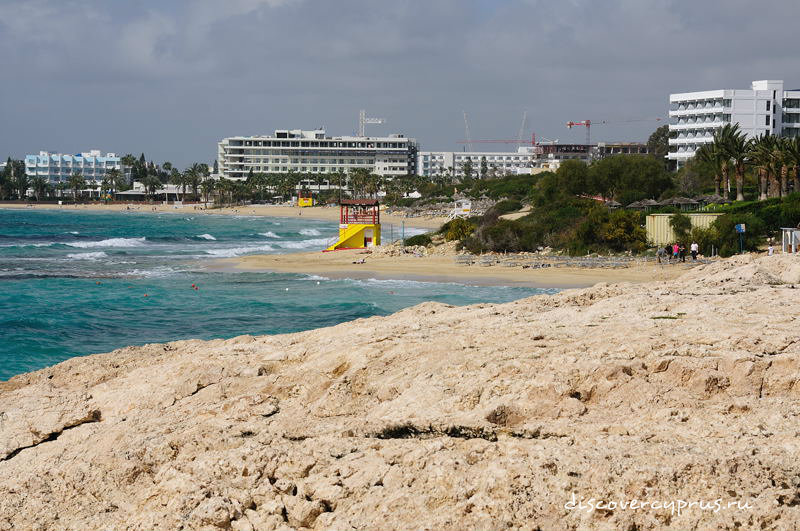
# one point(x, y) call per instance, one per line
point(171, 78)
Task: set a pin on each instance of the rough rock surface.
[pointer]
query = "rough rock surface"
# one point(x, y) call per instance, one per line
point(437, 417)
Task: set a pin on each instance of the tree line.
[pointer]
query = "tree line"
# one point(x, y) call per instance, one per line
point(773, 159)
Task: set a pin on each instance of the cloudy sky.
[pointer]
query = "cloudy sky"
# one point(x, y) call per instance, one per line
point(171, 78)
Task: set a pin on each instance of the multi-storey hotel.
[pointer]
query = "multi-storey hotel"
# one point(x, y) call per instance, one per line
point(765, 108)
point(57, 167)
point(314, 152)
point(524, 160)
point(432, 163)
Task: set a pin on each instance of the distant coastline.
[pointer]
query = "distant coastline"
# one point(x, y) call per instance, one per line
point(279, 211)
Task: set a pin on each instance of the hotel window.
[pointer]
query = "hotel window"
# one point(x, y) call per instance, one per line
point(768, 105)
point(767, 117)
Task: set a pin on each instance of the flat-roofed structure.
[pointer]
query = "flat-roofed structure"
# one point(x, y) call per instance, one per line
point(765, 108)
point(313, 151)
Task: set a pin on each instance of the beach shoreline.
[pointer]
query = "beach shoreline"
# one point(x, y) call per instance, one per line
point(339, 264)
point(442, 268)
point(318, 213)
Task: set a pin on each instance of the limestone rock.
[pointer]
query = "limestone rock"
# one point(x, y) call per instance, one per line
point(436, 417)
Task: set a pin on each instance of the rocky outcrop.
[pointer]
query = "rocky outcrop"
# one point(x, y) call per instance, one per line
point(436, 417)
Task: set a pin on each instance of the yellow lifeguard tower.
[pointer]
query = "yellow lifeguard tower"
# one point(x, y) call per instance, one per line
point(304, 199)
point(359, 224)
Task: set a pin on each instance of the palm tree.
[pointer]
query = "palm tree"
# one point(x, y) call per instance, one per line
point(722, 138)
point(222, 186)
point(60, 188)
point(793, 150)
point(105, 185)
point(761, 158)
point(40, 186)
point(151, 183)
point(76, 183)
point(195, 174)
point(178, 179)
point(780, 172)
point(736, 147)
point(711, 155)
point(207, 186)
point(116, 179)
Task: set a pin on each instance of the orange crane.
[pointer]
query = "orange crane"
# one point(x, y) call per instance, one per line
point(588, 125)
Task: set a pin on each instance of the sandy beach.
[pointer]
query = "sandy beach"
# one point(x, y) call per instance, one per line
point(438, 417)
point(318, 212)
point(443, 268)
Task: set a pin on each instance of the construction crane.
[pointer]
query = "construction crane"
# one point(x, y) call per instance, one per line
point(468, 142)
point(522, 125)
point(589, 123)
point(363, 121)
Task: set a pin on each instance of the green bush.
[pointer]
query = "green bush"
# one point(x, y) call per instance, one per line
point(706, 239)
point(456, 229)
point(728, 239)
point(681, 225)
point(419, 239)
point(604, 230)
point(503, 235)
point(511, 186)
point(506, 206)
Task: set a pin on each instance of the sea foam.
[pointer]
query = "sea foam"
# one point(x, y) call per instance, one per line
point(304, 244)
point(238, 251)
point(87, 256)
point(111, 242)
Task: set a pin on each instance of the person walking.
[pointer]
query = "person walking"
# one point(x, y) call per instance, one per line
point(694, 248)
point(660, 253)
point(682, 252)
point(675, 251)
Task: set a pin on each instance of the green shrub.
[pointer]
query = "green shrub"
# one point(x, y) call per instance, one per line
point(419, 239)
point(681, 225)
point(706, 239)
point(727, 237)
point(456, 229)
point(511, 186)
point(506, 206)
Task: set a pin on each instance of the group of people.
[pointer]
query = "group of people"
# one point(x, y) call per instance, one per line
point(676, 252)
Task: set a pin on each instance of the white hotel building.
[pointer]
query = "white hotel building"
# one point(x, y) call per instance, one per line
point(765, 108)
point(525, 160)
point(315, 152)
point(432, 163)
point(57, 167)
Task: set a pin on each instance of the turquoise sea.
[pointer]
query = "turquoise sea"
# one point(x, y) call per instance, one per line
point(74, 283)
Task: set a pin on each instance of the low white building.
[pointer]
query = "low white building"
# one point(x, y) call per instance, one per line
point(57, 167)
point(525, 160)
point(431, 163)
point(314, 152)
point(764, 108)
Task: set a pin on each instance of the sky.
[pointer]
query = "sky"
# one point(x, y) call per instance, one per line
point(172, 78)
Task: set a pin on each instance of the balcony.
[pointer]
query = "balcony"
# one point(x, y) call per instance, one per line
point(694, 140)
point(717, 109)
